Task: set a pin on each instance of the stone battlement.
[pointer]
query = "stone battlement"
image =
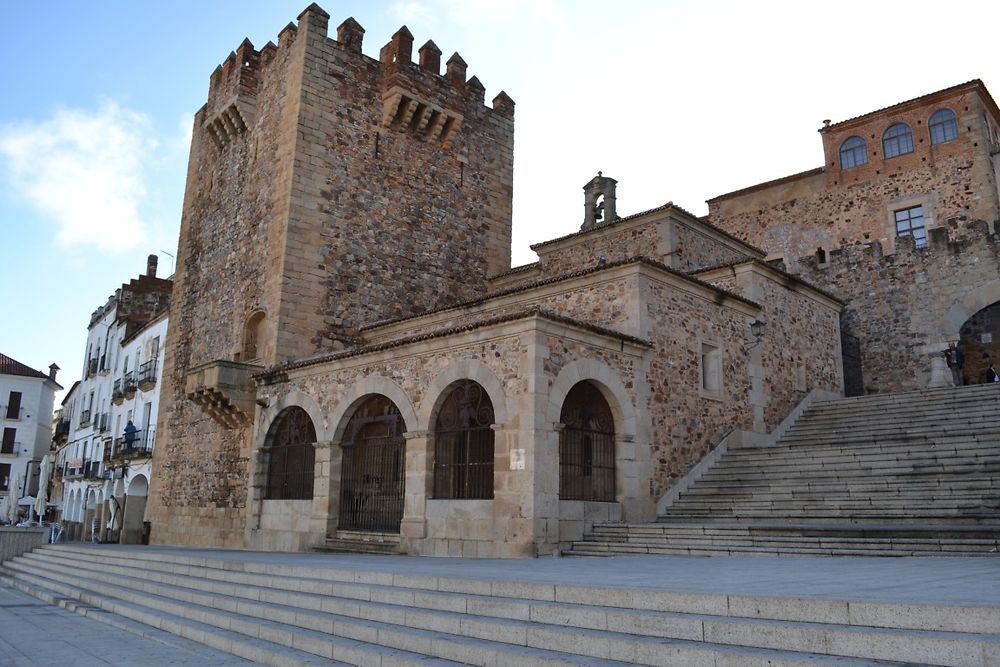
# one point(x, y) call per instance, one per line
point(417, 97)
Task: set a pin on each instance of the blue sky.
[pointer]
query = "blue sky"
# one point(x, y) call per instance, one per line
point(679, 101)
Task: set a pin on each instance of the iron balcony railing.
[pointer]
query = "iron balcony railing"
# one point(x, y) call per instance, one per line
point(134, 445)
point(118, 391)
point(92, 470)
point(129, 382)
point(85, 418)
point(147, 373)
point(92, 367)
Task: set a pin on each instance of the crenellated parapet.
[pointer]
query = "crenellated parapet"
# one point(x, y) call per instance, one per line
point(232, 98)
point(419, 100)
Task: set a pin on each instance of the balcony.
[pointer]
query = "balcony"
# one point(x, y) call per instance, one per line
point(140, 446)
point(225, 391)
point(85, 418)
point(103, 422)
point(147, 375)
point(104, 367)
point(92, 470)
point(129, 385)
point(118, 393)
point(92, 367)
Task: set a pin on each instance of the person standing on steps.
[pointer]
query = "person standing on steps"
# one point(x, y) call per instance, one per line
point(956, 360)
point(991, 373)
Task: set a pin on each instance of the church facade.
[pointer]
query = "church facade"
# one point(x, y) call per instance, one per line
point(351, 356)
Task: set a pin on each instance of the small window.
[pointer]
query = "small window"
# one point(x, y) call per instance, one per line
point(14, 405)
point(853, 153)
point(8, 441)
point(711, 368)
point(4, 476)
point(252, 337)
point(943, 126)
point(910, 222)
point(897, 140)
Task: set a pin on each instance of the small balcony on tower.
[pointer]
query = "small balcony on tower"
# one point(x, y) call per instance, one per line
point(224, 390)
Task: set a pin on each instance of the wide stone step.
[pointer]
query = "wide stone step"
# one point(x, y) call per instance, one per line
point(956, 446)
point(727, 640)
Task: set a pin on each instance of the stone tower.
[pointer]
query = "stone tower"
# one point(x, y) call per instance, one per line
point(325, 191)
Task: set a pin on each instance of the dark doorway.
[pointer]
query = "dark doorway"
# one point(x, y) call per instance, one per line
point(373, 468)
point(980, 342)
point(586, 446)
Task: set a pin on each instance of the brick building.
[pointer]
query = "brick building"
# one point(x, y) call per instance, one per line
point(901, 222)
point(350, 356)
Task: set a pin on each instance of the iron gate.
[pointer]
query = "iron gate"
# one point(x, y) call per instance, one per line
point(586, 446)
point(373, 468)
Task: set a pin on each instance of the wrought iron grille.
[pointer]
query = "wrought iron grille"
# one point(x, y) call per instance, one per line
point(586, 446)
point(291, 457)
point(464, 443)
point(373, 468)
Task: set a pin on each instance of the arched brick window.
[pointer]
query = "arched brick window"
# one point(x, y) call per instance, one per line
point(853, 153)
point(943, 126)
point(586, 446)
point(291, 456)
point(464, 443)
point(897, 140)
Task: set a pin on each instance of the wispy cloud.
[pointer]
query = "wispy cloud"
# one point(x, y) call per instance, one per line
point(84, 170)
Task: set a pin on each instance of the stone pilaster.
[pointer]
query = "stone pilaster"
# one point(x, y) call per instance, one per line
point(326, 490)
point(419, 478)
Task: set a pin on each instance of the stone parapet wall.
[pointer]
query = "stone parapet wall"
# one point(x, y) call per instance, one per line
point(15, 542)
point(907, 306)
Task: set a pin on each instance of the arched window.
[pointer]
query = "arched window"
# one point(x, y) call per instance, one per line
point(252, 336)
point(291, 460)
point(897, 140)
point(463, 444)
point(586, 446)
point(372, 471)
point(853, 153)
point(943, 126)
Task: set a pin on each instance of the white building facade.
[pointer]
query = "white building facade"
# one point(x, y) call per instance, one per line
point(26, 400)
point(102, 462)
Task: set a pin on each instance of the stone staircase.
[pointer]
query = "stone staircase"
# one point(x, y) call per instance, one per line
point(915, 473)
point(285, 614)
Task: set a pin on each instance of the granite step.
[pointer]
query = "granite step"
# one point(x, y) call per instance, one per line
point(578, 625)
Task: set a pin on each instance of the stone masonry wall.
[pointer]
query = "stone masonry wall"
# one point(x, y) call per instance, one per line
point(386, 221)
point(306, 202)
point(697, 250)
point(908, 305)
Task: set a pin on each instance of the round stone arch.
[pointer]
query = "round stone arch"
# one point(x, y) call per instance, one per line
point(607, 382)
point(294, 398)
point(356, 394)
point(464, 369)
point(138, 486)
point(974, 301)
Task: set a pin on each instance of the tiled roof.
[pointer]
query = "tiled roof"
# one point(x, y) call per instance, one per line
point(10, 366)
point(531, 311)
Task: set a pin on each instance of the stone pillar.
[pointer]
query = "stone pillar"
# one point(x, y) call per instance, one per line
point(628, 492)
point(419, 476)
point(255, 493)
point(102, 520)
point(326, 491)
point(940, 373)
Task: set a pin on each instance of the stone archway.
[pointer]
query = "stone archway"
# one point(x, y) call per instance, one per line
point(135, 510)
point(979, 340)
point(372, 477)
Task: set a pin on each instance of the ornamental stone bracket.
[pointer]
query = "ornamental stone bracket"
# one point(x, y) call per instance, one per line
point(224, 390)
point(232, 121)
point(402, 110)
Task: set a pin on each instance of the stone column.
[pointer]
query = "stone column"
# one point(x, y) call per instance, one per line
point(940, 373)
point(627, 493)
point(326, 491)
point(419, 476)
